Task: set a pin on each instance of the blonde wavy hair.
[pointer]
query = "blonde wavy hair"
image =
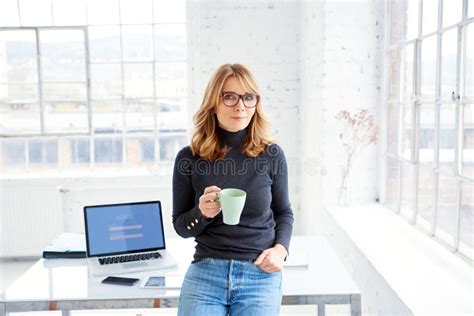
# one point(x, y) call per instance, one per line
point(205, 141)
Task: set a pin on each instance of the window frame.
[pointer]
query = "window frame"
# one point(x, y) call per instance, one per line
point(91, 134)
point(392, 49)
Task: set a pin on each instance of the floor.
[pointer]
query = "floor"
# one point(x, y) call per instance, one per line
point(11, 269)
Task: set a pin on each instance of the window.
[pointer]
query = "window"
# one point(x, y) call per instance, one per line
point(87, 84)
point(429, 106)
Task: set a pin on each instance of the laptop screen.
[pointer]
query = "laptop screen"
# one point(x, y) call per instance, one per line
point(123, 228)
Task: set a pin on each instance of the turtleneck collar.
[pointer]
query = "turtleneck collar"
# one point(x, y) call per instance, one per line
point(231, 139)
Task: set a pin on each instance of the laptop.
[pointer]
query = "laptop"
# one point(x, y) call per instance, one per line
point(126, 237)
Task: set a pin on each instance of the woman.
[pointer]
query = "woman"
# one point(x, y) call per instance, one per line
point(236, 268)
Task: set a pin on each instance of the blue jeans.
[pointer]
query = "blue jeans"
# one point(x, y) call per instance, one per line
point(214, 287)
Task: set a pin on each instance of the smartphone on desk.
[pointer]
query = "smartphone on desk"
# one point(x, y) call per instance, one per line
point(120, 281)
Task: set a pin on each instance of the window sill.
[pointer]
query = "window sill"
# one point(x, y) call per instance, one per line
point(426, 276)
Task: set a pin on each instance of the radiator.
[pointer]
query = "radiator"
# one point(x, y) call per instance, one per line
point(30, 217)
point(35, 212)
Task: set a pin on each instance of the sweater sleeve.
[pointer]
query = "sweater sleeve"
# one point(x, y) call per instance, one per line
point(187, 218)
point(281, 206)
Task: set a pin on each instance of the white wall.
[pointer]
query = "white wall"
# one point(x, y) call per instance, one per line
point(312, 59)
point(352, 80)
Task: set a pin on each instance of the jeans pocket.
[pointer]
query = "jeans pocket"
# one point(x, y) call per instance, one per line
point(259, 270)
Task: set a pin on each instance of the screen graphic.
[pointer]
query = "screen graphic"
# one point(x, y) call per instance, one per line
point(124, 228)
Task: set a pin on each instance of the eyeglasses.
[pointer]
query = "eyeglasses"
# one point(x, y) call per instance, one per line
point(231, 99)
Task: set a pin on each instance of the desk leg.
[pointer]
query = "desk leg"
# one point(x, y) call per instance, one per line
point(356, 308)
point(321, 309)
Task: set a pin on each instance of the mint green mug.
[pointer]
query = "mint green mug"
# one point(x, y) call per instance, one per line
point(232, 203)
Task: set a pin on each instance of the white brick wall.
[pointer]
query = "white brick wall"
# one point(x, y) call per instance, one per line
point(263, 35)
point(312, 59)
point(352, 80)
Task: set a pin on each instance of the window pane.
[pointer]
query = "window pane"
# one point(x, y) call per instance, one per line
point(138, 80)
point(19, 58)
point(169, 11)
point(170, 42)
point(69, 12)
point(140, 150)
point(63, 55)
point(104, 43)
point(139, 116)
point(446, 213)
point(430, 16)
point(137, 42)
point(393, 129)
point(452, 12)
point(107, 116)
point(19, 116)
point(9, 13)
point(35, 12)
point(406, 73)
point(425, 210)
point(428, 68)
point(171, 79)
point(412, 13)
point(394, 75)
point(466, 233)
point(393, 183)
point(108, 150)
point(448, 64)
point(43, 151)
point(174, 105)
point(19, 93)
point(106, 81)
point(64, 92)
point(407, 205)
point(13, 152)
point(64, 117)
point(468, 141)
point(103, 12)
point(469, 63)
point(407, 131)
point(426, 137)
point(170, 145)
point(447, 137)
point(74, 152)
point(136, 11)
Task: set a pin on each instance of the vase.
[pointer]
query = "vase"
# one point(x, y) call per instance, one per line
point(344, 192)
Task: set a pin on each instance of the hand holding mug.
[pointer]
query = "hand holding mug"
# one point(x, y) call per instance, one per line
point(207, 202)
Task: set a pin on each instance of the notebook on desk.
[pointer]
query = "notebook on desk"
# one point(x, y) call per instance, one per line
point(67, 245)
point(126, 237)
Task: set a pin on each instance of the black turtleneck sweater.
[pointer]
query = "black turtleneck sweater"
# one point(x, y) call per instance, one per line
point(267, 218)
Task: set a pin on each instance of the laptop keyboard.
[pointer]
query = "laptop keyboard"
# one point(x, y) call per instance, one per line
point(130, 258)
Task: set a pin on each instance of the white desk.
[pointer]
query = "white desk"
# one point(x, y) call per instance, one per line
point(64, 284)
